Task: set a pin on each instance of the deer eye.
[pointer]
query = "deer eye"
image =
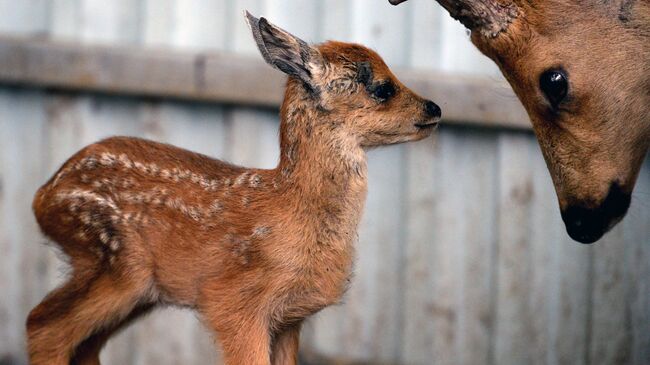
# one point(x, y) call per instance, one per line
point(555, 85)
point(384, 91)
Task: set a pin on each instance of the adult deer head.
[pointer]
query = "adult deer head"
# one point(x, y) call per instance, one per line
point(581, 69)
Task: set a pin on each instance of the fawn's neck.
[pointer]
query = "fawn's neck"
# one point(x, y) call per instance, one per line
point(321, 164)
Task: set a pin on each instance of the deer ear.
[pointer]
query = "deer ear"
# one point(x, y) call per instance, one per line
point(283, 50)
point(489, 17)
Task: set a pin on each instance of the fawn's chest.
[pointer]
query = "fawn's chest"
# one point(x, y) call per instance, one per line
point(324, 248)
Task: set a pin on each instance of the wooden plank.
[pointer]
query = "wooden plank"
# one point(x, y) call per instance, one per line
point(559, 286)
point(225, 78)
point(240, 39)
point(514, 331)
point(253, 138)
point(458, 55)
point(470, 182)
point(385, 29)
point(336, 18)
point(371, 324)
point(28, 17)
point(421, 245)
point(610, 338)
point(450, 250)
point(619, 320)
point(426, 35)
point(636, 230)
point(302, 19)
point(116, 21)
point(22, 151)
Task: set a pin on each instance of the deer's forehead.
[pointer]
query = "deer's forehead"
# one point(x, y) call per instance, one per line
point(340, 53)
point(531, 45)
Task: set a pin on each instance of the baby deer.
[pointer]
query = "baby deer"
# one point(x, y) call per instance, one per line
point(253, 251)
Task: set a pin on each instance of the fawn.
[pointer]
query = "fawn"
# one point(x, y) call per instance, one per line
point(582, 71)
point(253, 251)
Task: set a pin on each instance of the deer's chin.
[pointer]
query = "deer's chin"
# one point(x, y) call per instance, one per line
point(587, 224)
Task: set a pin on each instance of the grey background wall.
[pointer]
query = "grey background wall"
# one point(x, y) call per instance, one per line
point(462, 257)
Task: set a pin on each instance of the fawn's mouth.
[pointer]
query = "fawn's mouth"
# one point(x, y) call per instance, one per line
point(426, 125)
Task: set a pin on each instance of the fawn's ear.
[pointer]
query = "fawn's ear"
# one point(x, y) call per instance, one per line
point(283, 50)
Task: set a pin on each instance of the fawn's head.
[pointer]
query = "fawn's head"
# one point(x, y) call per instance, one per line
point(582, 71)
point(349, 84)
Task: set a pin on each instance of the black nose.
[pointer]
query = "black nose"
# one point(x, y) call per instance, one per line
point(588, 225)
point(432, 109)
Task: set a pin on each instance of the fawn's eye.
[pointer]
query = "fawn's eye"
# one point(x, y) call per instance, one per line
point(384, 91)
point(555, 85)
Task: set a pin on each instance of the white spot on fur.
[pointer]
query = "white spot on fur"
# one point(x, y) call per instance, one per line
point(240, 179)
point(125, 161)
point(107, 159)
point(255, 181)
point(261, 231)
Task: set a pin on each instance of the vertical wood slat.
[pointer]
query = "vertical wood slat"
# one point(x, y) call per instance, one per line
point(473, 158)
point(448, 278)
point(240, 39)
point(559, 289)
point(302, 20)
point(458, 55)
point(422, 199)
point(637, 231)
point(23, 265)
point(610, 324)
point(382, 27)
point(23, 262)
point(27, 17)
point(513, 314)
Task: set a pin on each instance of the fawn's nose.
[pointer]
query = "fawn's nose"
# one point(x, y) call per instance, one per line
point(432, 109)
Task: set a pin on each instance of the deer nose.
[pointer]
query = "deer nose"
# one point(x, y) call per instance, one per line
point(588, 225)
point(432, 109)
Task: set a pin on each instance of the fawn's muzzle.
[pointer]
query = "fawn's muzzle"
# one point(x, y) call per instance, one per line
point(588, 225)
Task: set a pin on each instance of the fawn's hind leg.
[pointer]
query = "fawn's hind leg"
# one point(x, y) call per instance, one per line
point(87, 353)
point(73, 312)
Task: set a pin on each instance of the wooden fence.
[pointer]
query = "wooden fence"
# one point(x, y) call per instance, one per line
point(462, 257)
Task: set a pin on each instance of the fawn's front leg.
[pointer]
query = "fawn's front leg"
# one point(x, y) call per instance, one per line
point(285, 347)
point(245, 338)
point(248, 345)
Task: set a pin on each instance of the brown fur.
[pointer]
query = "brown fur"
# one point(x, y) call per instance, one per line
point(602, 134)
point(253, 251)
point(605, 134)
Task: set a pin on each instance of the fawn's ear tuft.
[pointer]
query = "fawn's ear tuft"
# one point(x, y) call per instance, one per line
point(283, 50)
